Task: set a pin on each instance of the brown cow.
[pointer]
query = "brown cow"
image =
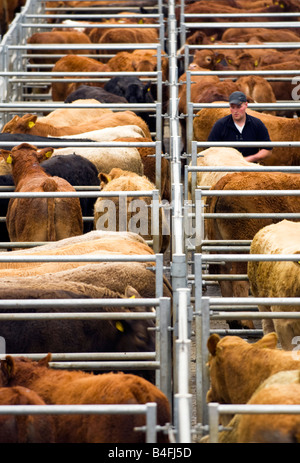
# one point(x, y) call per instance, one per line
point(76, 387)
point(237, 35)
point(74, 63)
point(39, 219)
point(24, 429)
point(139, 61)
point(57, 37)
point(245, 228)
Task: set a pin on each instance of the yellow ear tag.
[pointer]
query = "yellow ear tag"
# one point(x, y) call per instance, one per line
point(212, 39)
point(132, 297)
point(31, 124)
point(120, 326)
point(141, 21)
point(256, 63)
point(48, 154)
point(9, 159)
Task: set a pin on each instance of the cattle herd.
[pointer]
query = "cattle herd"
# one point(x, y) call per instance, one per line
point(141, 265)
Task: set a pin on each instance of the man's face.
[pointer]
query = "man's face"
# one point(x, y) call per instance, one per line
point(238, 111)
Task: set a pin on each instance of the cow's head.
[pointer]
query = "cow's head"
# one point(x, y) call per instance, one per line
point(22, 124)
point(227, 358)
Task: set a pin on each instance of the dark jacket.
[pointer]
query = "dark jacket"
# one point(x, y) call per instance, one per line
point(254, 130)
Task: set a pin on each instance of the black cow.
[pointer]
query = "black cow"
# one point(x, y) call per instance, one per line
point(77, 170)
point(65, 336)
point(15, 139)
point(86, 92)
point(135, 91)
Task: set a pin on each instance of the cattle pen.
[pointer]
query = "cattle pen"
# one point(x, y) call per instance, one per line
point(186, 298)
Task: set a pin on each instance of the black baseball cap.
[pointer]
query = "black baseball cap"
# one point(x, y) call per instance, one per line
point(237, 98)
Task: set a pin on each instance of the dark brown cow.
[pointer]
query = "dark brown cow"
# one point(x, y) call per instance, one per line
point(76, 387)
point(24, 429)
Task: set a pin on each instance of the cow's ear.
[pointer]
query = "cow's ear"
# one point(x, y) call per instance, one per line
point(269, 341)
point(44, 153)
point(8, 367)
point(30, 120)
point(104, 179)
point(212, 343)
point(44, 362)
point(147, 87)
point(6, 155)
point(131, 292)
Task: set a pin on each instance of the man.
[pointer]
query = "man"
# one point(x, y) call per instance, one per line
point(241, 126)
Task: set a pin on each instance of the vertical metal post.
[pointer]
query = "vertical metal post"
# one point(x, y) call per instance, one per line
point(213, 422)
point(165, 350)
point(151, 422)
point(156, 224)
point(158, 156)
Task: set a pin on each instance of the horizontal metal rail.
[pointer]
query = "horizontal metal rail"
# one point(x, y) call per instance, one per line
point(241, 24)
point(149, 410)
point(216, 409)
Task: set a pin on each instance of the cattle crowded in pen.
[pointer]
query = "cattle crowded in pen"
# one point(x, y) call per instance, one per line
point(99, 132)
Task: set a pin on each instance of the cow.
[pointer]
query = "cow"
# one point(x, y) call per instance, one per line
point(24, 429)
point(85, 92)
point(139, 61)
point(238, 35)
point(57, 37)
point(75, 169)
point(245, 228)
point(201, 7)
point(231, 383)
point(107, 134)
point(63, 117)
point(75, 63)
point(128, 35)
point(137, 215)
point(134, 91)
point(60, 387)
point(279, 128)
point(39, 219)
point(277, 279)
point(279, 389)
point(147, 155)
point(258, 89)
point(8, 9)
point(28, 123)
point(73, 335)
point(107, 244)
point(142, 61)
point(216, 157)
point(105, 159)
point(115, 276)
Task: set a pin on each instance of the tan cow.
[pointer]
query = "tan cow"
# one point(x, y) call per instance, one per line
point(29, 124)
point(216, 157)
point(73, 116)
point(276, 278)
point(282, 388)
point(233, 382)
point(138, 213)
point(39, 219)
